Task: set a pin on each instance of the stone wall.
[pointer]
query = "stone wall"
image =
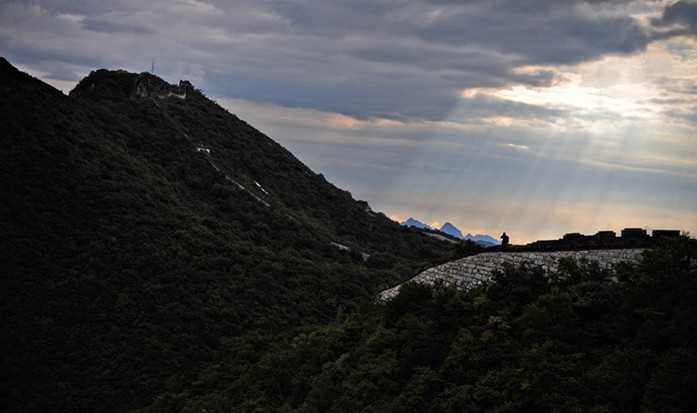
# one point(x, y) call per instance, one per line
point(148, 85)
point(472, 270)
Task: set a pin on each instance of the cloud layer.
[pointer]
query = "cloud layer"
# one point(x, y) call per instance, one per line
point(504, 102)
point(374, 58)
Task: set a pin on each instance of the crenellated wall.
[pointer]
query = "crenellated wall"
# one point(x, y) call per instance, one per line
point(470, 271)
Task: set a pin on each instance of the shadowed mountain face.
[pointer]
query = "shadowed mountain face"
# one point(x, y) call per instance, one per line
point(451, 229)
point(145, 229)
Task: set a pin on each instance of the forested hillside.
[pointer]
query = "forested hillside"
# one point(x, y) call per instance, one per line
point(132, 260)
point(580, 340)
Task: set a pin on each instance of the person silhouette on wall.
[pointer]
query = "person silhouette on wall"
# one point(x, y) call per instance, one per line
point(504, 240)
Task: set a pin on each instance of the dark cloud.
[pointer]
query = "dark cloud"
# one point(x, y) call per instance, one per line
point(109, 26)
point(400, 96)
point(81, 7)
point(412, 59)
point(682, 14)
point(62, 72)
point(538, 32)
point(483, 106)
point(364, 58)
point(46, 59)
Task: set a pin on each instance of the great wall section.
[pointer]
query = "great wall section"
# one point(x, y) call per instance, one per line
point(470, 271)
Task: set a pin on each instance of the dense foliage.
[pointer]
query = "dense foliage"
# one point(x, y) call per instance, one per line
point(580, 340)
point(129, 261)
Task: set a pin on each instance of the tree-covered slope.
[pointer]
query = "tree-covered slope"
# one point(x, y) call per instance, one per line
point(579, 340)
point(131, 260)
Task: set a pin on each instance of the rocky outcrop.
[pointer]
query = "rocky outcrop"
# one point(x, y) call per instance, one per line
point(150, 86)
point(471, 271)
point(118, 84)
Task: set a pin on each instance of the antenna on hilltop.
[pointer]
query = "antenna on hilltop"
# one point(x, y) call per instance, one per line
point(152, 67)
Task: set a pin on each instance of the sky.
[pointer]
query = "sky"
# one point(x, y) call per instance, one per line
point(534, 117)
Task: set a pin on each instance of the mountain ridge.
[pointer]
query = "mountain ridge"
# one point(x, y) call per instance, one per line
point(412, 222)
point(137, 248)
point(451, 230)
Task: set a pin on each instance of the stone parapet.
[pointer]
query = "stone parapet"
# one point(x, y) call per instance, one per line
point(470, 271)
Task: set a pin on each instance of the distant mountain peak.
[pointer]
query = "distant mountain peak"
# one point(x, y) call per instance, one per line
point(481, 239)
point(411, 222)
point(451, 229)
